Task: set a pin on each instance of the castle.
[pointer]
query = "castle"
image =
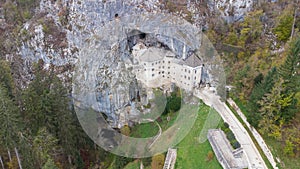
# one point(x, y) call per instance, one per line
point(157, 67)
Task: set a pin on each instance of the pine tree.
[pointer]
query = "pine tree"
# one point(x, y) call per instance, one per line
point(6, 79)
point(290, 70)
point(9, 120)
point(290, 73)
point(257, 94)
point(47, 104)
point(272, 110)
point(45, 146)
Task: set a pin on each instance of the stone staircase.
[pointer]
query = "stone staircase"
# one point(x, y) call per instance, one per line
point(170, 159)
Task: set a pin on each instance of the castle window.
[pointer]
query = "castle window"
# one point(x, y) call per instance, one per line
point(169, 62)
point(158, 72)
point(152, 64)
point(152, 75)
point(169, 67)
point(144, 69)
point(188, 78)
point(163, 67)
point(163, 75)
point(184, 76)
point(159, 62)
point(189, 71)
point(168, 72)
point(195, 71)
point(145, 64)
point(195, 77)
point(185, 70)
point(152, 69)
point(163, 61)
point(163, 72)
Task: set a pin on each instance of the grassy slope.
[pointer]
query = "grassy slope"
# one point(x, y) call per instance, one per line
point(133, 165)
point(192, 154)
point(144, 130)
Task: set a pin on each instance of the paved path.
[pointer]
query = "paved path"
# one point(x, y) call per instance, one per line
point(254, 159)
point(159, 133)
point(256, 135)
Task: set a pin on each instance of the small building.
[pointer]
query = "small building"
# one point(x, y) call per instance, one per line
point(226, 155)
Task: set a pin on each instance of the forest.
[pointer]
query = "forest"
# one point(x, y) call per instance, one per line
point(261, 54)
point(262, 60)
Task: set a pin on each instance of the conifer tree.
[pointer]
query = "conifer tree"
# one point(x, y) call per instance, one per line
point(9, 120)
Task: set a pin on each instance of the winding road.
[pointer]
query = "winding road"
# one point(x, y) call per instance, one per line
point(254, 159)
point(256, 135)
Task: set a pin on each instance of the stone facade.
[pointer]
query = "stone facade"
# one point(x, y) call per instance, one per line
point(157, 67)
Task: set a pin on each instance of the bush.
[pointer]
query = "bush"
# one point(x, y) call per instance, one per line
point(125, 130)
point(210, 156)
point(284, 27)
point(158, 161)
point(230, 136)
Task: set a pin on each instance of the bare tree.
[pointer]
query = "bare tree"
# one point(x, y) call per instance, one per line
point(295, 15)
point(2, 165)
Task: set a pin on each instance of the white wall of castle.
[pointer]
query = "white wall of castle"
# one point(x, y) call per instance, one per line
point(166, 71)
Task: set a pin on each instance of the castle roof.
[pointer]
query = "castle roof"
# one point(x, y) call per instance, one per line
point(152, 54)
point(192, 61)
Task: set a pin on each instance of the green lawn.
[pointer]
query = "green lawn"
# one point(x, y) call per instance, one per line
point(144, 130)
point(133, 165)
point(190, 153)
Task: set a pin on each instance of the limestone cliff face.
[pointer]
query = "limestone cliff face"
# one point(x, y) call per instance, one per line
point(71, 27)
point(231, 10)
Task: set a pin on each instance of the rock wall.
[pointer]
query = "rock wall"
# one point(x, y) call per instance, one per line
point(231, 10)
point(60, 43)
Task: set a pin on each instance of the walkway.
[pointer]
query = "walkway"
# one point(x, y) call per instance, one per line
point(170, 159)
point(256, 135)
point(254, 159)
